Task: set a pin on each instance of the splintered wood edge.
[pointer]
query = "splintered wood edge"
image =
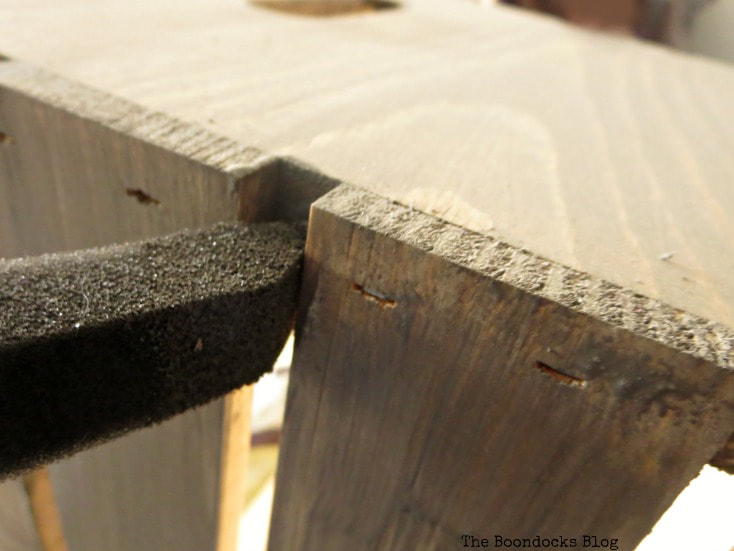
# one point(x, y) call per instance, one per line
point(621, 308)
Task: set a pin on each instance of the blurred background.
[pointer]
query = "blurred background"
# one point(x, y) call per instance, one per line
point(700, 26)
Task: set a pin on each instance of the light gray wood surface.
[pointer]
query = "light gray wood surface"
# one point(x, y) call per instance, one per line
point(17, 531)
point(447, 385)
point(66, 170)
point(601, 153)
point(157, 488)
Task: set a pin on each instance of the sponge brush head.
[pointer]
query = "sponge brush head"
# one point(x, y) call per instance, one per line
point(99, 342)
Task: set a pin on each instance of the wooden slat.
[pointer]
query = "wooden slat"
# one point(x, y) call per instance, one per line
point(140, 491)
point(67, 169)
point(448, 385)
point(45, 511)
point(233, 479)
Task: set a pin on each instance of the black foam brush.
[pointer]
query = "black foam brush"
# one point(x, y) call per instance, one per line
point(99, 342)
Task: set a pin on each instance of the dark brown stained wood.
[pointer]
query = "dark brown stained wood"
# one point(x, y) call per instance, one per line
point(724, 458)
point(447, 384)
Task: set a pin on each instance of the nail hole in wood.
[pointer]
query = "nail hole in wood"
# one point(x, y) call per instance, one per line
point(326, 8)
point(142, 197)
point(559, 376)
point(374, 296)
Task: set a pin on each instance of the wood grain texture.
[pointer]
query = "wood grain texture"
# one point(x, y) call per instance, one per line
point(601, 153)
point(77, 153)
point(449, 384)
point(74, 153)
point(67, 167)
point(139, 491)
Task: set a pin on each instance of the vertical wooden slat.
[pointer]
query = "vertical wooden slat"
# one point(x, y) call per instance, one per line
point(235, 456)
point(45, 511)
point(65, 180)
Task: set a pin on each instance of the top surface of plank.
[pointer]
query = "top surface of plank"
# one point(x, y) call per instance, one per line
point(600, 153)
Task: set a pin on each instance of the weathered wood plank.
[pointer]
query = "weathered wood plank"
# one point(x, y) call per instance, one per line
point(446, 384)
point(601, 153)
point(79, 161)
point(64, 179)
point(80, 168)
point(139, 491)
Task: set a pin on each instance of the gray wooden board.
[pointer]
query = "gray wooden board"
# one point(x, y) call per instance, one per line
point(156, 488)
point(75, 152)
point(64, 180)
point(65, 172)
point(446, 384)
point(599, 152)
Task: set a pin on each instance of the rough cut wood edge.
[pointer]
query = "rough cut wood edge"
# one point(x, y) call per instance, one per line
point(643, 316)
point(45, 512)
point(431, 398)
point(269, 188)
point(158, 129)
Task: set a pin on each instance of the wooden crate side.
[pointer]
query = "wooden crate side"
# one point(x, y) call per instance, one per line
point(433, 397)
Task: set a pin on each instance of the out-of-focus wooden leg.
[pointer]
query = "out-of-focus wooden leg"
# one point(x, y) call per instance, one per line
point(45, 513)
point(235, 455)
